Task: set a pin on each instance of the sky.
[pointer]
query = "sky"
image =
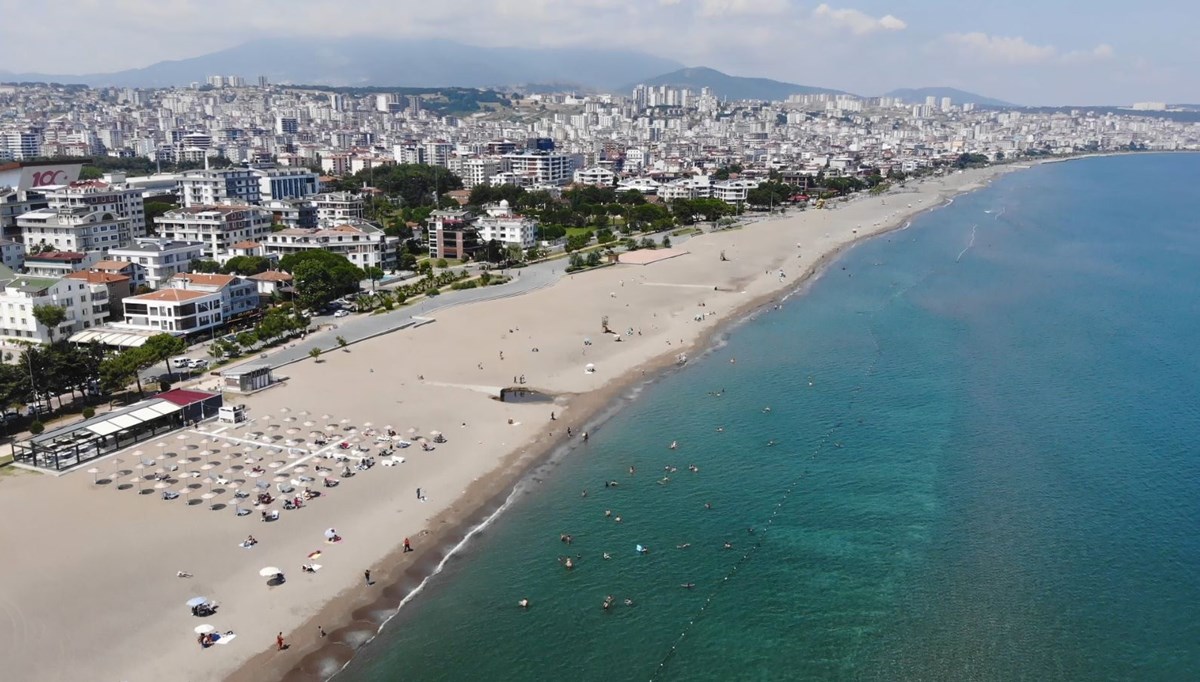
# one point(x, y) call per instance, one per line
point(1044, 52)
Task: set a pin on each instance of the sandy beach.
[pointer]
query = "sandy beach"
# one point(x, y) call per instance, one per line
point(90, 587)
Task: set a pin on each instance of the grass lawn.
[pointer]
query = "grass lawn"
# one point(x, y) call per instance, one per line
point(572, 231)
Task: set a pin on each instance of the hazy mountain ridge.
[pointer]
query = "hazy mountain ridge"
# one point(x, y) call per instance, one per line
point(411, 63)
point(732, 87)
point(918, 95)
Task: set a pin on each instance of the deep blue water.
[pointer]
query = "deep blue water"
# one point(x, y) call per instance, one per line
point(985, 468)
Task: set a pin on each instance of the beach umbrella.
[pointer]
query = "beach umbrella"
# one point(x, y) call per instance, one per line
point(182, 436)
point(203, 629)
point(366, 425)
point(161, 484)
point(435, 434)
point(293, 431)
point(269, 571)
point(412, 431)
point(95, 474)
point(330, 533)
point(196, 601)
point(309, 424)
point(280, 478)
point(304, 413)
point(285, 410)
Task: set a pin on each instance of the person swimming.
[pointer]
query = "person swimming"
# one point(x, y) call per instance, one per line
point(606, 555)
point(688, 586)
point(683, 546)
point(524, 603)
point(673, 445)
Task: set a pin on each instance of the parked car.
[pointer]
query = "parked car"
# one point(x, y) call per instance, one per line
point(181, 363)
point(341, 313)
point(199, 363)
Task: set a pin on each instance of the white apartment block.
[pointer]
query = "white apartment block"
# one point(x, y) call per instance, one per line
point(363, 244)
point(178, 311)
point(337, 207)
point(238, 294)
point(698, 187)
point(601, 177)
point(90, 215)
point(477, 171)
point(209, 187)
point(541, 168)
point(86, 306)
point(506, 227)
point(286, 183)
point(216, 227)
point(733, 191)
point(156, 260)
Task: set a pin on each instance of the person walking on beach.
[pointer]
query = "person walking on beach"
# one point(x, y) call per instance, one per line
point(321, 630)
point(418, 493)
point(279, 645)
point(407, 545)
point(367, 576)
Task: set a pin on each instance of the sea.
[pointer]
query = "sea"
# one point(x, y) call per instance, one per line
point(968, 450)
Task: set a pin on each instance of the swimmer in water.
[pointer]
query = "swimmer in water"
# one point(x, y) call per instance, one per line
point(683, 546)
point(720, 429)
point(728, 545)
point(524, 603)
point(632, 471)
point(688, 586)
point(607, 555)
point(673, 445)
point(708, 505)
point(608, 512)
point(628, 602)
point(766, 409)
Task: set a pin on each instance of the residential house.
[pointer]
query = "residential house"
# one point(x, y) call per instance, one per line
point(216, 227)
point(157, 259)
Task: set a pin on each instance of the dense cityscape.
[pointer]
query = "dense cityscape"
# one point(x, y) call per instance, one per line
point(142, 211)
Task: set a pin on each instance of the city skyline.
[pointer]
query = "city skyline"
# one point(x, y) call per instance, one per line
point(1048, 54)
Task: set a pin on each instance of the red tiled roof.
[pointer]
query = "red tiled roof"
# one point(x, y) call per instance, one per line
point(184, 397)
point(204, 279)
point(57, 255)
point(93, 277)
point(271, 276)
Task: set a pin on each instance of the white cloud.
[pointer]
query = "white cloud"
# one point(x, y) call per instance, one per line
point(1018, 51)
point(725, 8)
point(858, 23)
point(1101, 52)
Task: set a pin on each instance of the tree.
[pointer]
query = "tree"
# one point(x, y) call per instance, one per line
point(576, 242)
point(246, 265)
point(50, 316)
point(154, 210)
point(533, 253)
point(666, 241)
point(374, 274)
point(320, 276)
point(341, 341)
point(442, 264)
point(206, 265)
point(513, 253)
point(161, 348)
point(315, 354)
point(247, 339)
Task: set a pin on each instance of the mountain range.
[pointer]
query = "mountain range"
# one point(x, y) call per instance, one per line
point(918, 95)
point(400, 63)
point(733, 87)
point(445, 63)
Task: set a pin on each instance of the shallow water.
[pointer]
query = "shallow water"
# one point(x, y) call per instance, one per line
point(979, 463)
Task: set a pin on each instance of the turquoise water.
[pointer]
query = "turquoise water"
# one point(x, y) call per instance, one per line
point(985, 468)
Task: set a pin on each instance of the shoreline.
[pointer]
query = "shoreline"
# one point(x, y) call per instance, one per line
point(359, 619)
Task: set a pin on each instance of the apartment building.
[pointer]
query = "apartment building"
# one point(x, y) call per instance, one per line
point(734, 191)
point(286, 183)
point(178, 311)
point(58, 263)
point(502, 225)
point(698, 187)
point(155, 260)
point(209, 187)
point(541, 167)
point(216, 227)
point(12, 254)
point(601, 177)
point(108, 290)
point(89, 215)
point(86, 306)
point(477, 171)
point(451, 234)
point(14, 203)
point(335, 208)
point(363, 244)
point(238, 294)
